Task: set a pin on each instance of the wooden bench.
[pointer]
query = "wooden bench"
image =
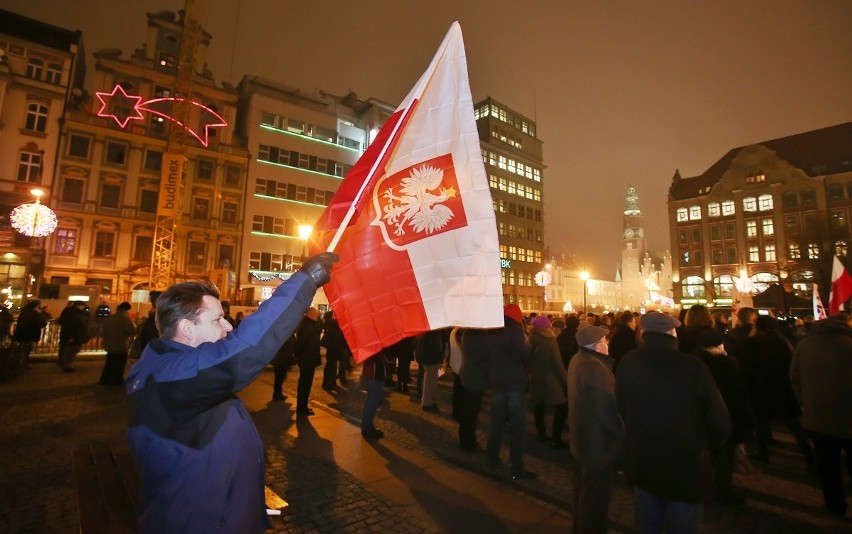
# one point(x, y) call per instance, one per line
point(106, 485)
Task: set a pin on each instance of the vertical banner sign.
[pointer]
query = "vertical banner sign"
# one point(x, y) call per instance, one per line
point(167, 206)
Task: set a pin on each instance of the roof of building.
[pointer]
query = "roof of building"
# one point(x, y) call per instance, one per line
point(817, 153)
point(38, 32)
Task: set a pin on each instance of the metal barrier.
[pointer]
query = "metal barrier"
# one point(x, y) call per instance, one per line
point(49, 342)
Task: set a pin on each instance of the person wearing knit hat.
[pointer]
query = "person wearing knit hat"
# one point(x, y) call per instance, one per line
point(597, 431)
point(513, 312)
point(709, 347)
point(674, 416)
point(547, 380)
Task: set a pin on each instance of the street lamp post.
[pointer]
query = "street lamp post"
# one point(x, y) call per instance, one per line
point(304, 233)
point(585, 276)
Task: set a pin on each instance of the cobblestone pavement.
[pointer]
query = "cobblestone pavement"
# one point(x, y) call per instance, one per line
point(45, 414)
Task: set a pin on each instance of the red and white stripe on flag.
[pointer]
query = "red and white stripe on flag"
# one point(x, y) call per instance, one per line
point(819, 309)
point(420, 251)
point(841, 287)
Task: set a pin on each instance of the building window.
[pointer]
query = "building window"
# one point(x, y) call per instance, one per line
point(790, 199)
point(167, 60)
point(29, 167)
point(229, 212)
point(36, 117)
point(78, 146)
point(142, 247)
point(696, 235)
point(233, 175)
point(841, 248)
point(769, 253)
point(226, 254)
point(204, 169)
point(728, 207)
point(35, 67)
point(65, 241)
point(834, 191)
point(196, 252)
point(714, 209)
point(751, 228)
point(791, 222)
point(697, 257)
point(731, 254)
point(116, 153)
point(753, 253)
point(838, 219)
point(682, 214)
point(715, 232)
point(693, 287)
point(749, 204)
point(110, 195)
point(684, 237)
point(767, 227)
point(104, 244)
point(723, 285)
point(808, 196)
point(694, 213)
point(148, 199)
point(200, 208)
point(755, 178)
point(730, 231)
point(54, 73)
point(813, 251)
point(684, 258)
point(765, 202)
point(717, 256)
point(72, 190)
point(153, 160)
point(793, 251)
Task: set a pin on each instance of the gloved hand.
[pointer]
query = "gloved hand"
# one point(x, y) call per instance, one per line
point(319, 267)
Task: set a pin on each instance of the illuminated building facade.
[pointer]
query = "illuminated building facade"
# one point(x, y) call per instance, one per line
point(40, 67)
point(301, 145)
point(514, 164)
point(771, 212)
point(111, 156)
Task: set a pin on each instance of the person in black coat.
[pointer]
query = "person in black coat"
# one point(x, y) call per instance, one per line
point(281, 363)
point(308, 357)
point(765, 363)
point(567, 340)
point(624, 339)
point(29, 327)
point(709, 346)
point(336, 350)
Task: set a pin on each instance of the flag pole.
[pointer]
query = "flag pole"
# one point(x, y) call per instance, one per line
point(418, 92)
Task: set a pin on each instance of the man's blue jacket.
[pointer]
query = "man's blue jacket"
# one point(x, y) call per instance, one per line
point(199, 452)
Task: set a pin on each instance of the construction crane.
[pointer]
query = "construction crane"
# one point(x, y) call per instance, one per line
point(171, 188)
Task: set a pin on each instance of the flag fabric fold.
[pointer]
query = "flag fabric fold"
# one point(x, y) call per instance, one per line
point(819, 309)
point(413, 221)
point(841, 287)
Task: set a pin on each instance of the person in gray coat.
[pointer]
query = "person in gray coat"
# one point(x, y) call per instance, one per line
point(547, 380)
point(118, 332)
point(675, 419)
point(597, 431)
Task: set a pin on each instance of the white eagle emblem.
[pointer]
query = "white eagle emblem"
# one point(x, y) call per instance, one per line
point(416, 206)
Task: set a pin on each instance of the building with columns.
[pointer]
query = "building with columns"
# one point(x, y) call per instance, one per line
point(774, 212)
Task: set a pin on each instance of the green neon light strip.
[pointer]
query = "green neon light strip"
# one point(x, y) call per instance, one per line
point(302, 202)
point(254, 232)
point(309, 138)
point(300, 169)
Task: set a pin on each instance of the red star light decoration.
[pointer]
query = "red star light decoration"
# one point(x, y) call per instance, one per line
point(127, 105)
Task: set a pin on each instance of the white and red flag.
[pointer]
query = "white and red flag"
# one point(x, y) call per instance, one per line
point(413, 221)
point(841, 287)
point(819, 309)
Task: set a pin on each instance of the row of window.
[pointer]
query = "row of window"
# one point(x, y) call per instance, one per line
point(514, 188)
point(723, 285)
point(519, 232)
point(509, 164)
point(506, 116)
point(808, 197)
point(295, 126)
point(511, 277)
point(45, 71)
point(287, 191)
point(270, 261)
point(66, 243)
point(298, 160)
point(511, 252)
point(504, 206)
point(274, 225)
point(717, 209)
point(501, 135)
point(756, 253)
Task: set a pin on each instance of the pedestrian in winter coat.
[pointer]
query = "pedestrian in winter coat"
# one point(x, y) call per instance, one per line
point(429, 350)
point(547, 380)
point(624, 338)
point(336, 351)
point(29, 327)
point(118, 332)
point(73, 333)
point(675, 417)
point(822, 379)
point(597, 431)
point(474, 375)
point(200, 456)
point(308, 358)
point(374, 371)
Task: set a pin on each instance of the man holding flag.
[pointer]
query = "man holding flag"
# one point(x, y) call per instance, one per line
point(413, 221)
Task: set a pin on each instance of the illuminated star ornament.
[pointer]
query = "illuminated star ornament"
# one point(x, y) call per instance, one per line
point(123, 108)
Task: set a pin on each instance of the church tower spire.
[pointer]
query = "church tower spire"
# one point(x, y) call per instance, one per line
point(632, 251)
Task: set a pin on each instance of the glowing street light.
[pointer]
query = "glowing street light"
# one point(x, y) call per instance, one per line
point(585, 276)
point(34, 219)
point(304, 233)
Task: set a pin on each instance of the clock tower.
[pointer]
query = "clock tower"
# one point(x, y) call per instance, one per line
point(632, 253)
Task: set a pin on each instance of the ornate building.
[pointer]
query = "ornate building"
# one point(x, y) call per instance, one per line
point(771, 212)
point(644, 280)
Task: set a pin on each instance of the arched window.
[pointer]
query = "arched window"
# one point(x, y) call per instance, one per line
point(749, 204)
point(54, 73)
point(762, 281)
point(35, 68)
point(693, 287)
point(728, 207)
point(723, 285)
point(29, 165)
point(802, 283)
point(765, 202)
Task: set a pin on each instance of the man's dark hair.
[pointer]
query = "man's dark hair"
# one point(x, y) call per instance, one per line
point(746, 314)
point(124, 306)
point(182, 301)
point(626, 318)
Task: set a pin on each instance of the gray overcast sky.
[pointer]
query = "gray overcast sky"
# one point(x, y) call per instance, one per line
point(623, 91)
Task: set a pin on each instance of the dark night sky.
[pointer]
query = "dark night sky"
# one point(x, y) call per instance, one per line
point(623, 92)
